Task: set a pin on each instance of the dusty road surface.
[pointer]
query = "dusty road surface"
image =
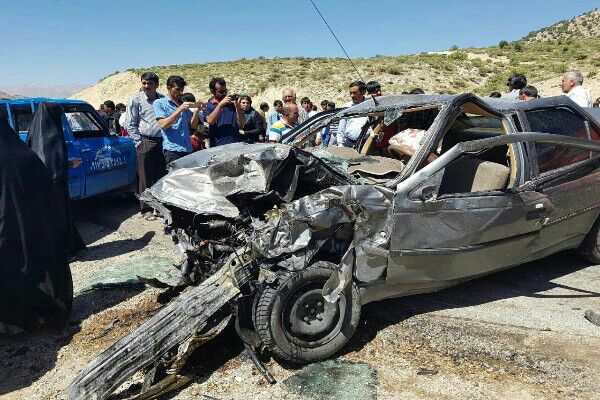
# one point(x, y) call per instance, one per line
point(520, 333)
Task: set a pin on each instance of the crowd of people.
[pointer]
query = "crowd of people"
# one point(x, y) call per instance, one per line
point(170, 126)
point(571, 85)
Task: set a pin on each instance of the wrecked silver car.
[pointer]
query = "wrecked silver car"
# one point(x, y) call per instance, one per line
point(291, 239)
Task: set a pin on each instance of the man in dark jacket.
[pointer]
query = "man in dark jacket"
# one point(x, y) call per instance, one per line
point(36, 289)
point(111, 116)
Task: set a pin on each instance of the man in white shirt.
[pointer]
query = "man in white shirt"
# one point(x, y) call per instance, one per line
point(349, 129)
point(571, 85)
point(308, 107)
point(515, 83)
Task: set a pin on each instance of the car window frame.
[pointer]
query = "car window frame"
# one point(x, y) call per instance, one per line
point(420, 179)
point(93, 114)
point(444, 120)
point(532, 151)
point(437, 177)
point(15, 110)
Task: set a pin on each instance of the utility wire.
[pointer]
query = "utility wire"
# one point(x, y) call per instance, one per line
point(337, 40)
point(342, 47)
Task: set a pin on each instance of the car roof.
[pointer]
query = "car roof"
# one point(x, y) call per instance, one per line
point(383, 103)
point(399, 101)
point(511, 105)
point(36, 100)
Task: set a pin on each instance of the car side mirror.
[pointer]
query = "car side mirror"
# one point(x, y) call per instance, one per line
point(427, 193)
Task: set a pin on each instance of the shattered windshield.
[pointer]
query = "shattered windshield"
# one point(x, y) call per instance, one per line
point(386, 141)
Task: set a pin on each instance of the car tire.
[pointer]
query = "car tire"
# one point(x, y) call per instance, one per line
point(590, 247)
point(295, 322)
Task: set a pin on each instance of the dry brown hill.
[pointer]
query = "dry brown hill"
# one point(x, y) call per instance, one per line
point(5, 96)
point(585, 25)
point(478, 70)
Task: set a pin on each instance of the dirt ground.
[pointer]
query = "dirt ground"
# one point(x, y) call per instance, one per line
point(520, 333)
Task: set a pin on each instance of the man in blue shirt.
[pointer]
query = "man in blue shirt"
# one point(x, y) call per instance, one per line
point(275, 114)
point(175, 120)
point(223, 115)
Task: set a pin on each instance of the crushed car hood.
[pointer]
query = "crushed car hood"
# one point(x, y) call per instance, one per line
point(205, 181)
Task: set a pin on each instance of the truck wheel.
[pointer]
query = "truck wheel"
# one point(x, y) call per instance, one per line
point(295, 322)
point(590, 247)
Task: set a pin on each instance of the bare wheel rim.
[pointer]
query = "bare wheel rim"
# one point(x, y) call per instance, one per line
point(308, 320)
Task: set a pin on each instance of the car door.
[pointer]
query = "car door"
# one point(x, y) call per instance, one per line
point(566, 174)
point(105, 158)
point(441, 234)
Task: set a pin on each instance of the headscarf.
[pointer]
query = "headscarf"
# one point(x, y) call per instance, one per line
point(35, 280)
point(47, 139)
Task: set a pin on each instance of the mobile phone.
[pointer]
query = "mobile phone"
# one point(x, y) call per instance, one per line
point(195, 104)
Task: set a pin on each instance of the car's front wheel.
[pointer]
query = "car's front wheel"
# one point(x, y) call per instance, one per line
point(296, 323)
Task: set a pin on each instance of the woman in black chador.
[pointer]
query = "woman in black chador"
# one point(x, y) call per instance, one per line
point(47, 140)
point(35, 281)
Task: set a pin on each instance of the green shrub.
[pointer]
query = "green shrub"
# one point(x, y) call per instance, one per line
point(503, 44)
point(458, 55)
point(393, 70)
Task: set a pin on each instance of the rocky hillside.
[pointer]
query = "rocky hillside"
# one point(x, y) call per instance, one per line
point(479, 70)
point(586, 25)
point(4, 96)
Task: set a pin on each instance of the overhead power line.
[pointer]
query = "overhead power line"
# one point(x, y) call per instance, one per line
point(337, 40)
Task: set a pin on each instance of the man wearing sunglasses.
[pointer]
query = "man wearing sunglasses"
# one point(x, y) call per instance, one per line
point(223, 114)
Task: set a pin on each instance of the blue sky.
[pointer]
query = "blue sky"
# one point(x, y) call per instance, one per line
point(68, 41)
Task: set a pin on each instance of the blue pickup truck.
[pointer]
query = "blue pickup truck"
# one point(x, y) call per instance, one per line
point(107, 162)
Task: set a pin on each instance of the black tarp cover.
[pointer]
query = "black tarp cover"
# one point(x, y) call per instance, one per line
point(47, 140)
point(35, 280)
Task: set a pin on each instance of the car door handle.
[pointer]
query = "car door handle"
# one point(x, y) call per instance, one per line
point(537, 211)
point(85, 150)
point(536, 214)
point(75, 162)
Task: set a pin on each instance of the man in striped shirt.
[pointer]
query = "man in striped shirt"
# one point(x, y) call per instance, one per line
point(289, 119)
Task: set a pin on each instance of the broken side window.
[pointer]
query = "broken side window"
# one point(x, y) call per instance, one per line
point(558, 121)
point(83, 125)
point(22, 117)
point(471, 173)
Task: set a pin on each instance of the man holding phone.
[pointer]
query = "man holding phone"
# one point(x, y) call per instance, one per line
point(175, 120)
point(223, 114)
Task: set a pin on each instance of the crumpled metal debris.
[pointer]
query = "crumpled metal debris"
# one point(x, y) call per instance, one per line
point(204, 183)
point(349, 220)
point(593, 317)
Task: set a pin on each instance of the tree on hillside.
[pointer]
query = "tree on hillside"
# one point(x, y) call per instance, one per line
point(503, 44)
